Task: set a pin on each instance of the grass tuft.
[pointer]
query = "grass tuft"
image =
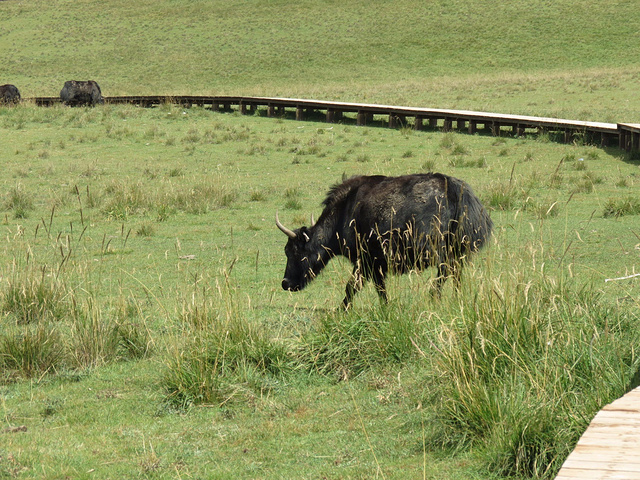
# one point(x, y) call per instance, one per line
point(30, 351)
point(346, 345)
point(221, 355)
point(94, 336)
point(20, 201)
point(618, 207)
point(30, 296)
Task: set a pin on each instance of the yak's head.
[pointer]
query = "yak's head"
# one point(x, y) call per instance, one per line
point(305, 259)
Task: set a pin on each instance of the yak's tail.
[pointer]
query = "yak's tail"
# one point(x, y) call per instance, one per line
point(473, 224)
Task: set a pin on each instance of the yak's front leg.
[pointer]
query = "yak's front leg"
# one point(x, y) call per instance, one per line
point(353, 286)
point(357, 281)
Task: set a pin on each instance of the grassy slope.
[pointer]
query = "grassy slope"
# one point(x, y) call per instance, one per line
point(569, 58)
point(92, 421)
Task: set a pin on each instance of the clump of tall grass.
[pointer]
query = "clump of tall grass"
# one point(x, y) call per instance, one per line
point(428, 165)
point(33, 295)
point(617, 207)
point(292, 201)
point(459, 162)
point(30, 350)
point(504, 195)
point(541, 209)
point(124, 199)
point(450, 142)
point(347, 344)
point(524, 361)
point(19, 200)
point(57, 330)
point(587, 182)
point(94, 336)
point(257, 195)
point(134, 336)
point(146, 229)
point(221, 354)
point(200, 197)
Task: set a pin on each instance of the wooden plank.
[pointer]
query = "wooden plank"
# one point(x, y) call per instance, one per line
point(572, 474)
point(613, 426)
point(611, 413)
point(625, 404)
point(598, 439)
point(605, 454)
point(602, 421)
point(583, 464)
point(463, 115)
point(622, 140)
point(633, 394)
point(331, 116)
point(630, 127)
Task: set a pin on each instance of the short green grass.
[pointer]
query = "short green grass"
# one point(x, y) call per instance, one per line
point(141, 296)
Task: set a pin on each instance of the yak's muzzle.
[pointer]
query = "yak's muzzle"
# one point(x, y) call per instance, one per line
point(288, 285)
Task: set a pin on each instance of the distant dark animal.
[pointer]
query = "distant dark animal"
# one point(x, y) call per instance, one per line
point(9, 94)
point(81, 93)
point(384, 224)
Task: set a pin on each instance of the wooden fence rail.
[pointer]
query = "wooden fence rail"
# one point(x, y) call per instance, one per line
point(626, 136)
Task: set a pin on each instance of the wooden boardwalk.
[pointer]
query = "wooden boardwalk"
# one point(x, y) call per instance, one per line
point(629, 136)
point(610, 447)
point(625, 136)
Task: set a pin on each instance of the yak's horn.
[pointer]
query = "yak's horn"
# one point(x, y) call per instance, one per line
point(313, 220)
point(285, 230)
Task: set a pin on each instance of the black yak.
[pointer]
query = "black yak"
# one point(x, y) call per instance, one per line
point(78, 93)
point(384, 224)
point(9, 94)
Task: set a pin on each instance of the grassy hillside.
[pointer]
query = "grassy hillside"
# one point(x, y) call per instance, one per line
point(568, 58)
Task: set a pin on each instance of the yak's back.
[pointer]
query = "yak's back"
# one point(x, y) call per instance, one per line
point(429, 201)
point(81, 92)
point(383, 196)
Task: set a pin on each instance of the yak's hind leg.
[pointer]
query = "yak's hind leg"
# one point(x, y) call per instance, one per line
point(449, 269)
point(378, 281)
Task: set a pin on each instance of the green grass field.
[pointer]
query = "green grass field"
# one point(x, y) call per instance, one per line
point(144, 333)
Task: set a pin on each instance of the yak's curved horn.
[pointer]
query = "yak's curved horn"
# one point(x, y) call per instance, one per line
point(283, 229)
point(313, 221)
